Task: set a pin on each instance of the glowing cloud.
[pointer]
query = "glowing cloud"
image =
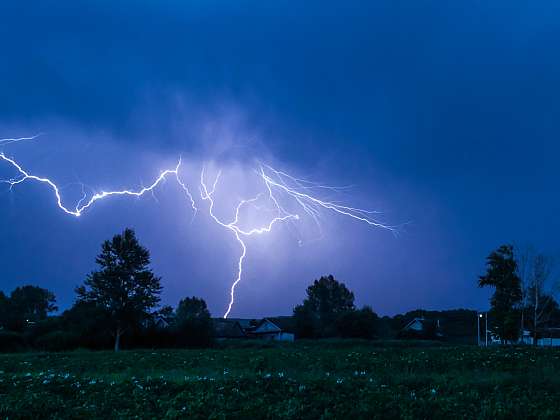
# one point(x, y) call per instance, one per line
point(280, 192)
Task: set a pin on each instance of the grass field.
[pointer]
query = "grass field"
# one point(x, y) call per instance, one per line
point(304, 380)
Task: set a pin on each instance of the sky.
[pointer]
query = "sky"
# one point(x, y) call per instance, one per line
point(443, 116)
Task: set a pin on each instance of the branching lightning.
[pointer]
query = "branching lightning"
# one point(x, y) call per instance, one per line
point(233, 226)
point(282, 193)
point(81, 206)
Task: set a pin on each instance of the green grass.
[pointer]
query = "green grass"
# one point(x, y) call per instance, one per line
point(331, 379)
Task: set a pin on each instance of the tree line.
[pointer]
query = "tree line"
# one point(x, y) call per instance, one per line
point(122, 299)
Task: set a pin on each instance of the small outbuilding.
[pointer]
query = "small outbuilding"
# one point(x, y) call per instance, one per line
point(422, 328)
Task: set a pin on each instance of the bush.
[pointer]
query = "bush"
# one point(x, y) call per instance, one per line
point(57, 341)
point(360, 323)
point(11, 342)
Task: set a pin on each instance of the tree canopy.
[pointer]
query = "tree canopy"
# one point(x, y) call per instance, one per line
point(26, 305)
point(124, 286)
point(327, 299)
point(193, 322)
point(502, 275)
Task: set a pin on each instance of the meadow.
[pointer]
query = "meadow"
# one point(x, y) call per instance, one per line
point(307, 380)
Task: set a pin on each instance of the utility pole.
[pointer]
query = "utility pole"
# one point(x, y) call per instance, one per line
point(478, 316)
point(486, 328)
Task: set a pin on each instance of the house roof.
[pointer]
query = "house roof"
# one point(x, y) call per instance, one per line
point(424, 324)
point(285, 323)
point(245, 323)
point(413, 322)
point(225, 328)
point(266, 326)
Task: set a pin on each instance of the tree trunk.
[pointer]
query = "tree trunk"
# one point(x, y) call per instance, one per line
point(118, 334)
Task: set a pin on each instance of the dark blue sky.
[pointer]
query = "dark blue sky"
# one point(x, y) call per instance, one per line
point(443, 114)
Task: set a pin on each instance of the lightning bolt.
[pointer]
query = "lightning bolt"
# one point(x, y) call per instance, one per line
point(82, 204)
point(238, 232)
point(280, 192)
point(294, 187)
point(5, 142)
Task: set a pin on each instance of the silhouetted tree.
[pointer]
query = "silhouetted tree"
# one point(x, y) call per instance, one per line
point(125, 287)
point(540, 302)
point(28, 305)
point(326, 301)
point(502, 274)
point(361, 323)
point(193, 324)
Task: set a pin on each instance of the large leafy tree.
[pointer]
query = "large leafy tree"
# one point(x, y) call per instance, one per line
point(124, 286)
point(501, 274)
point(327, 299)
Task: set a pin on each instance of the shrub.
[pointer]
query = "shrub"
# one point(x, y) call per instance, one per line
point(357, 324)
point(11, 341)
point(57, 341)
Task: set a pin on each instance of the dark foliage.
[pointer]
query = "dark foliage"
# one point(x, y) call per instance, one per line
point(25, 306)
point(360, 323)
point(328, 311)
point(90, 323)
point(193, 325)
point(124, 286)
point(11, 341)
point(501, 273)
point(4, 311)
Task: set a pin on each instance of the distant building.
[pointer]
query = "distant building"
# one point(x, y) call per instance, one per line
point(422, 328)
point(226, 328)
point(270, 330)
point(277, 329)
point(159, 322)
point(546, 337)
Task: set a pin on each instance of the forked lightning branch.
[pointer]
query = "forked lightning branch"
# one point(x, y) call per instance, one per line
point(283, 199)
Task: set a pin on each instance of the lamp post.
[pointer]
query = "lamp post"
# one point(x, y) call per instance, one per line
point(478, 316)
point(486, 328)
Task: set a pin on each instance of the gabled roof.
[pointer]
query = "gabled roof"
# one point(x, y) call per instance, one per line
point(423, 323)
point(245, 323)
point(161, 322)
point(286, 323)
point(266, 326)
point(415, 321)
point(226, 328)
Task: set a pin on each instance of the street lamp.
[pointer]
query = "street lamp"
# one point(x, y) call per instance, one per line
point(478, 327)
point(486, 328)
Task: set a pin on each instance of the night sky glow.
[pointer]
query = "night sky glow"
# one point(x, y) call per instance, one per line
point(442, 116)
point(276, 183)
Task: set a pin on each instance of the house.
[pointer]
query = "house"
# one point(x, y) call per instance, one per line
point(270, 329)
point(277, 328)
point(546, 337)
point(159, 322)
point(422, 328)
